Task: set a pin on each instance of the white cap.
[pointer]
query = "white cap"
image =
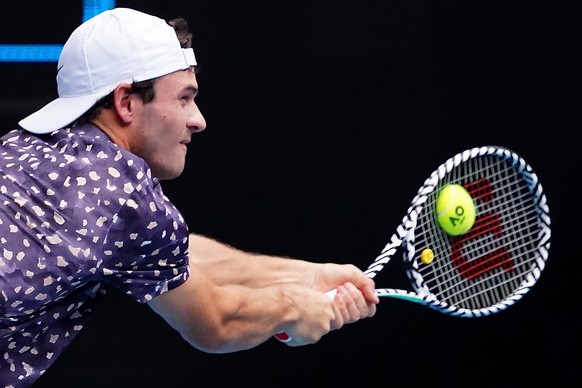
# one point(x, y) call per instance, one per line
point(116, 46)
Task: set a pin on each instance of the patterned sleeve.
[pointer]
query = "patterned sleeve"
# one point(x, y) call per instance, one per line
point(146, 248)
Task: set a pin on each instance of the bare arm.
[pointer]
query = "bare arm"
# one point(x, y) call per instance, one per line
point(221, 319)
point(235, 300)
point(223, 264)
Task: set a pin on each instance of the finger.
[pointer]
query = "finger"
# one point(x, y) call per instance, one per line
point(368, 288)
point(340, 309)
point(352, 303)
point(358, 306)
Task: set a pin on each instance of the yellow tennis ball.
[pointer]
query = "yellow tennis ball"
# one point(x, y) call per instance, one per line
point(455, 210)
point(427, 256)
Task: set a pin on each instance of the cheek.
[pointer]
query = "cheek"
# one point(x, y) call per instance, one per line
point(163, 126)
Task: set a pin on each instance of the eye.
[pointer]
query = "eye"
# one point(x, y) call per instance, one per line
point(188, 95)
point(186, 100)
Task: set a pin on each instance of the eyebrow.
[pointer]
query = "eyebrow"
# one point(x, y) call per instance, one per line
point(192, 89)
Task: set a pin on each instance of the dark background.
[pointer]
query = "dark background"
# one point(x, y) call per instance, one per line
point(324, 118)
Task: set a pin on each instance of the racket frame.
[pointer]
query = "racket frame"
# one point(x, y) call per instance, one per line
point(404, 237)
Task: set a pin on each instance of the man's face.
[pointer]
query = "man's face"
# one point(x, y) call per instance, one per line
point(163, 127)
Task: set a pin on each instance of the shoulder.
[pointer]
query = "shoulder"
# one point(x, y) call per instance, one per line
point(84, 153)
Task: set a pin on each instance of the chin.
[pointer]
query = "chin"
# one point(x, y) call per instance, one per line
point(166, 175)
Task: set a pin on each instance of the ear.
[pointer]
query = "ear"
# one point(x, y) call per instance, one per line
point(122, 101)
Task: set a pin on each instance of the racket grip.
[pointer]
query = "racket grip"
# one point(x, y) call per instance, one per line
point(284, 337)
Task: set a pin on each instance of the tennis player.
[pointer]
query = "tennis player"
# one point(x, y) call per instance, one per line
point(83, 211)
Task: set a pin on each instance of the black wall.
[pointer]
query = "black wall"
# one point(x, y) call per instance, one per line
point(324, 118)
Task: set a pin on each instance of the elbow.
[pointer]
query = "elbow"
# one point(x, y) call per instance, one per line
point(214, 339)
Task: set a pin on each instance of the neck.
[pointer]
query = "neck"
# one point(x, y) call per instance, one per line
point(115, 132)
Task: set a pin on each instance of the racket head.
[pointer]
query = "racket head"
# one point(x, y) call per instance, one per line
point(495, 263)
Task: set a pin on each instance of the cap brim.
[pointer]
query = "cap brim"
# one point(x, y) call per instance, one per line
point(58, 113)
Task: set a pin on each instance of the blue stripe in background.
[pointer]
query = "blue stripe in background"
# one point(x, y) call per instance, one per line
point(95, 7)
point(49, 52)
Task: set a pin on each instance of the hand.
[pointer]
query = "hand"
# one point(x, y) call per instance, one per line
point(350, 305)
point(355, 298)
point(329, 276)
point(316, 315)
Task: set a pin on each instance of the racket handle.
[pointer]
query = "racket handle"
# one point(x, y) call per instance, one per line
point(284, 337)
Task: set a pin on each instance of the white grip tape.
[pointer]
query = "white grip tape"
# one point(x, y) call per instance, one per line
point(284, 337)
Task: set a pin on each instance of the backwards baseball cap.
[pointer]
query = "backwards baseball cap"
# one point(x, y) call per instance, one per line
point(117, 46)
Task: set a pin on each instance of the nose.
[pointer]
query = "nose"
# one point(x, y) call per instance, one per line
point(196, 121)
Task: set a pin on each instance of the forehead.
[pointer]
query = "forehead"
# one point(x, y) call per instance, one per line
point(177, 81)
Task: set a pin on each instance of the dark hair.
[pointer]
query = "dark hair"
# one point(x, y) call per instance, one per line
point(144, 89)
point(182, 32)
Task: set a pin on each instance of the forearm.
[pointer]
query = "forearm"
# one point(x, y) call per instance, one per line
point(235, 300)
point(258, 314)
point(232, 318)
point(224, 264)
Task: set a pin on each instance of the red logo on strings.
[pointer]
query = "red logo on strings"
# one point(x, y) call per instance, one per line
point(481, 190)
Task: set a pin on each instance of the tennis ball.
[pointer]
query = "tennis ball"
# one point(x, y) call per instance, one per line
point(427, 256)
point(455, 210)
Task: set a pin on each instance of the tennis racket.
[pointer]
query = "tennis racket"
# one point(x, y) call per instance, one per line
point(496, 262)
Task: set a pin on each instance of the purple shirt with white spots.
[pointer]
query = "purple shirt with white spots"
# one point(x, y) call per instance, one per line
point(78, 214)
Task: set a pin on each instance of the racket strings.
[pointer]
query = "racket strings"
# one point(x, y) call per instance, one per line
point(457, 291)
point(524, 229)
point(521, 239)
point(491, 291)
point(494, 258)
